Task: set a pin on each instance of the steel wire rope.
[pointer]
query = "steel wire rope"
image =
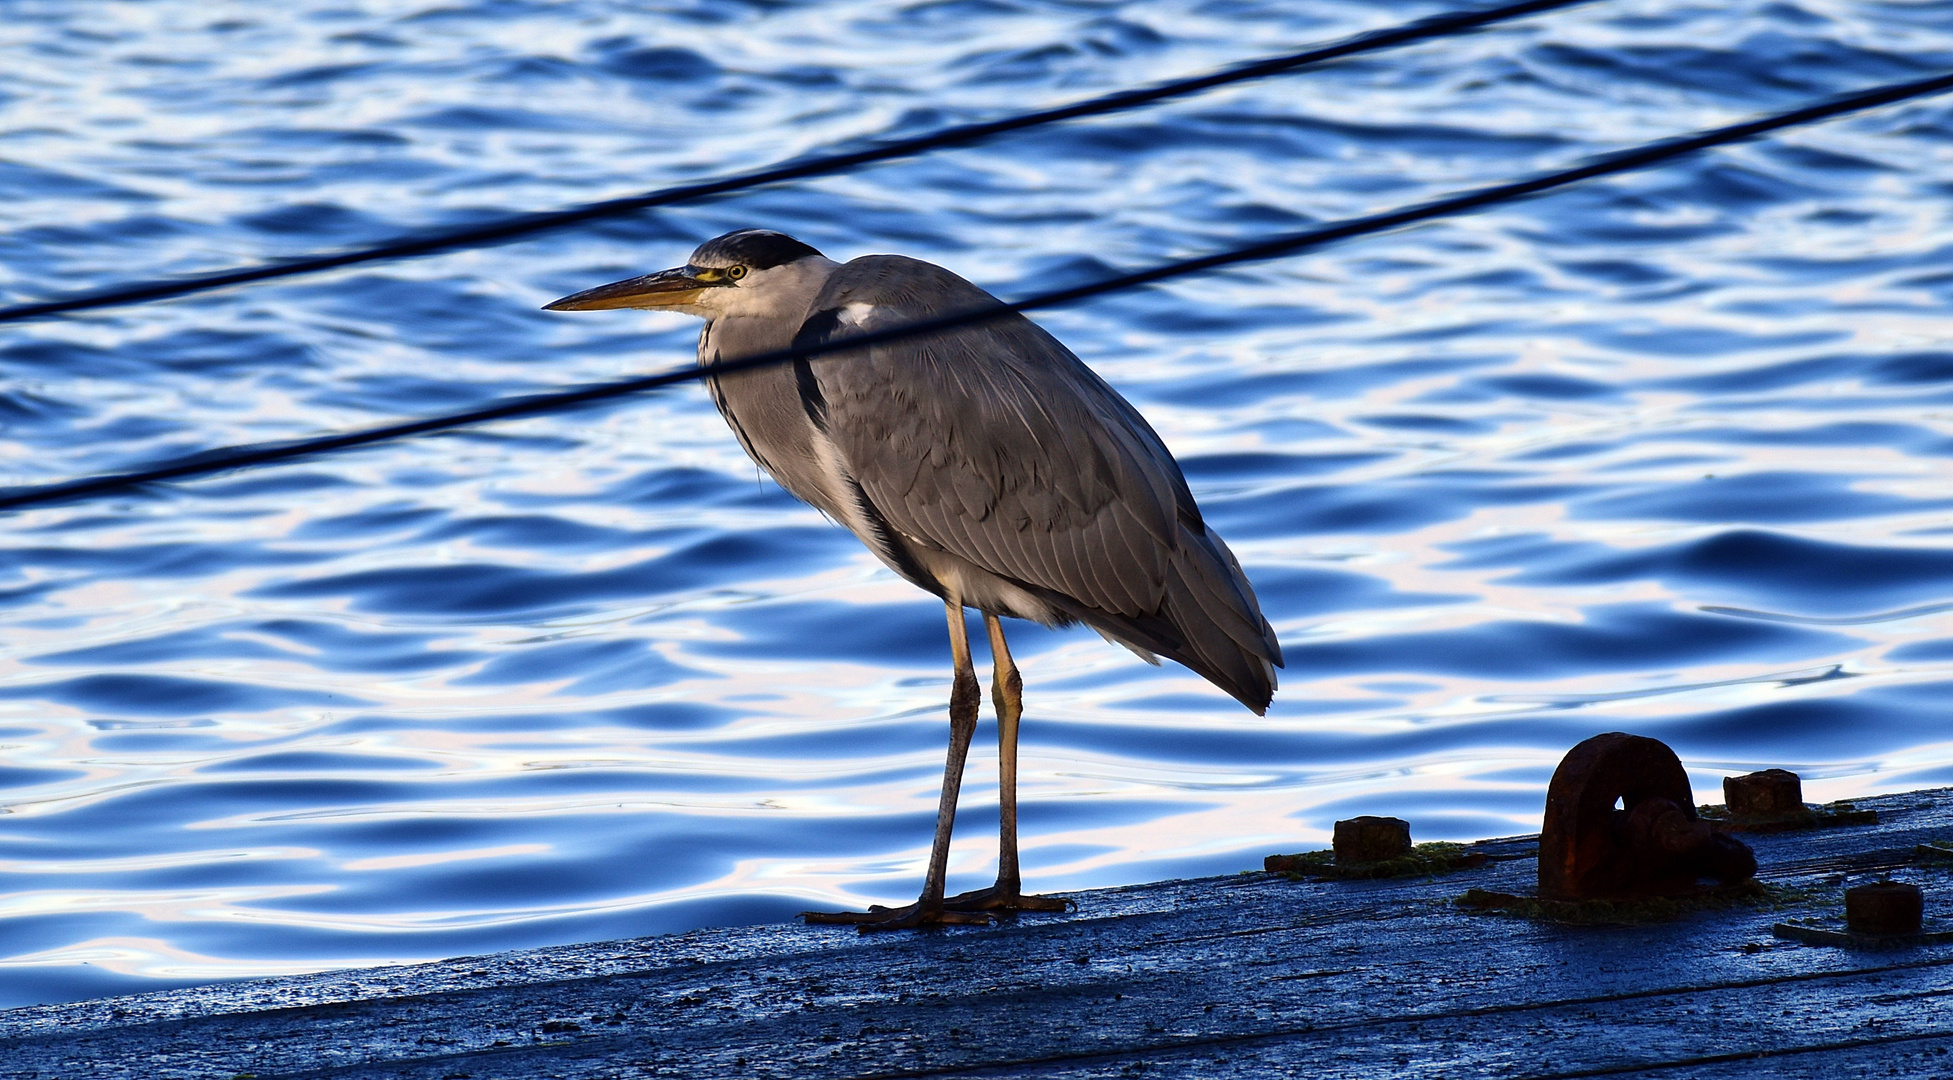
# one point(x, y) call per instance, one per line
point(230, 458)
point(522, 225)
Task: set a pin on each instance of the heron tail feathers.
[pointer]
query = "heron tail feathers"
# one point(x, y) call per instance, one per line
point(1208, 620)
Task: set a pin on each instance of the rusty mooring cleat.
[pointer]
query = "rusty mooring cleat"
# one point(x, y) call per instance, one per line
point(1369, 839)
point(1766, 794)
point(1885, 907)
point(1653, 844)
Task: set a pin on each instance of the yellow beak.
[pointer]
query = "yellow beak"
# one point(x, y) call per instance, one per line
point(666, 288)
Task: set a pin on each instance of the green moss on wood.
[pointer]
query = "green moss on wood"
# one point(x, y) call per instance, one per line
point(1828, 816)
point(1652, 909)
point(1424, 860)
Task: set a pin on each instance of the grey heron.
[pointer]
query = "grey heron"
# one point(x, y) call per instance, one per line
point(986, 464)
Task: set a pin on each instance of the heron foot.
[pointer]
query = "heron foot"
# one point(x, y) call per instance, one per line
point(911, 917)
point(1009, 901)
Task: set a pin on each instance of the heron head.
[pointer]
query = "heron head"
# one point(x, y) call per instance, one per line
point(754, 272)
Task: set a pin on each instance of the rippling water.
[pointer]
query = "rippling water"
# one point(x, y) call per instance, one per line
point(1667, 453)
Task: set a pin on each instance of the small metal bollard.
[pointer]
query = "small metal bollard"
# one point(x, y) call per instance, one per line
point(1885, 907)
point(1882, 915)
point(1769, 793)
point(1370, 839)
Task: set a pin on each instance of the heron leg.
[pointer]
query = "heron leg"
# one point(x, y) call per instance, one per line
point(928, 910)
point(1007, 693)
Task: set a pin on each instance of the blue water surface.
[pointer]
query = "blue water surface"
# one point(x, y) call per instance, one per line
point(1668, 453)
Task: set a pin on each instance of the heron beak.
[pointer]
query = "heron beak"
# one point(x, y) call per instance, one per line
point(664, 289)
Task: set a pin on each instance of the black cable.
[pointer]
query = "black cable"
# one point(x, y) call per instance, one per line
point(522, 225)
point(262, 453)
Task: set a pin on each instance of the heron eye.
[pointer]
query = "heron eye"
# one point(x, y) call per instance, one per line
point(735, 272)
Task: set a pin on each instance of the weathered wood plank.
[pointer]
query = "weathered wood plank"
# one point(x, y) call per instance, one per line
point(1219, 977)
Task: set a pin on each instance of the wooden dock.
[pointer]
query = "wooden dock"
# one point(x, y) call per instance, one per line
point(1247, 976)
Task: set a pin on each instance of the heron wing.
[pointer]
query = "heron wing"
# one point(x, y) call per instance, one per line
point(996, 444)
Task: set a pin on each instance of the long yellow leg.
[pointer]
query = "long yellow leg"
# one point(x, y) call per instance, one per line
point(1007, 694)
point(964, 699)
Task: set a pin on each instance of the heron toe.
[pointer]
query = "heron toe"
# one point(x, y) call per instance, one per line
point(1008, 901)
point(912, 917)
